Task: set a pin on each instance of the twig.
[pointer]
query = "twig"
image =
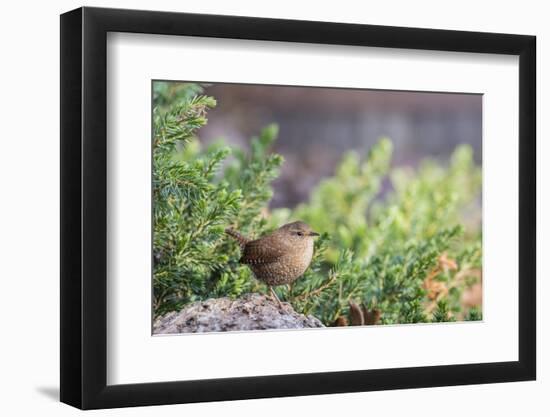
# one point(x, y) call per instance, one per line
point(316, 291)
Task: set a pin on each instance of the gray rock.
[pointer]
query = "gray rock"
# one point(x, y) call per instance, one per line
point(250, 312)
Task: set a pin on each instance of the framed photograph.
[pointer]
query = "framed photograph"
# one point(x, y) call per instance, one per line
point(259, 208)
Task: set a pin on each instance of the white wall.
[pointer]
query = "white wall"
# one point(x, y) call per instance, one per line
point(29, 236)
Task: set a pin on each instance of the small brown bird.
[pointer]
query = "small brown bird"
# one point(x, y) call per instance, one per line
point(280, 257)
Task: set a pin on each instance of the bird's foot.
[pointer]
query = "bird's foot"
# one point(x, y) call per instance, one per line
point(274, 296)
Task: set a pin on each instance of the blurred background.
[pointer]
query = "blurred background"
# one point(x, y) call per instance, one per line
point(318, 124)
point(391, 179)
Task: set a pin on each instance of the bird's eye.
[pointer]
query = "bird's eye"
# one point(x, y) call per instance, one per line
point(299, 233)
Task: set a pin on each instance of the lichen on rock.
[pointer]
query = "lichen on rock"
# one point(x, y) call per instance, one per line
point(249, 312)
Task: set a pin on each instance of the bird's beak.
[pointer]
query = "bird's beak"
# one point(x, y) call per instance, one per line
point(313, 234)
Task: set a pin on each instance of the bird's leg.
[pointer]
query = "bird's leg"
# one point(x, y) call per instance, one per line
point(274, 294)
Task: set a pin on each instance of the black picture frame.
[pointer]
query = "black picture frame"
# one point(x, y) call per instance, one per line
point(84, 207)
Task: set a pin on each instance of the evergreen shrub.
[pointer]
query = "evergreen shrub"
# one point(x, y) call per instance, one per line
point(398, 244)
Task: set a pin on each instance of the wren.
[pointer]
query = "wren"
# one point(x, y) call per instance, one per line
point(280, 257)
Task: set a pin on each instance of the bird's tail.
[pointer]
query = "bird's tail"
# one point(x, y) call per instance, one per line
point(238, 237)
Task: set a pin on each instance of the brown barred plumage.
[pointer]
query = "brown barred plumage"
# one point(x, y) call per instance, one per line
point(280, 257)
point(238, 237)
